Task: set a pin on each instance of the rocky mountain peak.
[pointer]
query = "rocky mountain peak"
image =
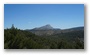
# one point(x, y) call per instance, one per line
point(46, 27)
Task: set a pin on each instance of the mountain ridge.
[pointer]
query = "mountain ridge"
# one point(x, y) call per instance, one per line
point(49, 30)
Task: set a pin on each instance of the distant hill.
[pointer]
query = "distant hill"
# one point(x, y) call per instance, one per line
point(73, 29)
point(45, 30)
point(49, 30)
point(76, 28)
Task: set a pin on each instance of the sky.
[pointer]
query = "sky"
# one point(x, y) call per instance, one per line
point(29, 16)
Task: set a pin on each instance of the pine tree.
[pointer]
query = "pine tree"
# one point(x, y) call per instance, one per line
point(12, 26)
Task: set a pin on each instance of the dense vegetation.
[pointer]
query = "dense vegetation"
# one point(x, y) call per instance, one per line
point(20, 39)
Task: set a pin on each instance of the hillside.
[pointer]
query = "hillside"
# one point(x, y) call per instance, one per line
point(49, 30)
point(22, 39)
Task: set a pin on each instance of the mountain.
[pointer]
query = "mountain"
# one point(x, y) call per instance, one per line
point(45, 30)
point(46, 27)
point(49, 30)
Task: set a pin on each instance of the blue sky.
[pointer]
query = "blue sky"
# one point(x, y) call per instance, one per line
point(28, 16)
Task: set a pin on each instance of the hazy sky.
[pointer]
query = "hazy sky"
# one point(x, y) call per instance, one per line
point(28, 16)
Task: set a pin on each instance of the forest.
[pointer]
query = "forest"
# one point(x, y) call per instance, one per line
point(15, 38)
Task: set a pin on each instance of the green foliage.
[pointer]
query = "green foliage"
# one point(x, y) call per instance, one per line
point(19, 39)
point(79, 44)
